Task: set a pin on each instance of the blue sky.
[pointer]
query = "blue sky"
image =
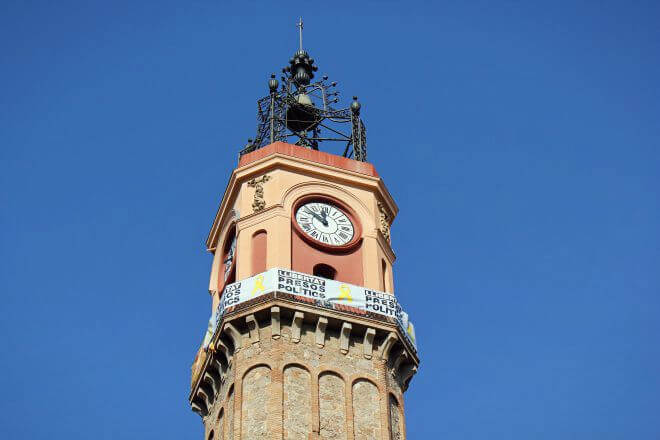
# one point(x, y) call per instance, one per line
point(520, 140)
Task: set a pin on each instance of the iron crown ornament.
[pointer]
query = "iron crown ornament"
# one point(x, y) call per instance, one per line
point(302, 112)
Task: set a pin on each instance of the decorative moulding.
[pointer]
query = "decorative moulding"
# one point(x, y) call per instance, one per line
point(258, 203)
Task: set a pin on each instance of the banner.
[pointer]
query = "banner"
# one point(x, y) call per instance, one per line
point(331, 293)
point(210, 330)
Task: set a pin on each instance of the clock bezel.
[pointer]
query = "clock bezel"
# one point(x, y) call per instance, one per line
point(352, 216)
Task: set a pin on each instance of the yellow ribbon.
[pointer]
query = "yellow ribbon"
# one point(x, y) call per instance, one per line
point(258, 285)
point(345, 293)
point(410, 333)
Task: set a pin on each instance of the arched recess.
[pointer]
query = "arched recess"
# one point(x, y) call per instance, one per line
point(366, 410)
point(220, 425)
point(332, 406)
point(255, 398)
point(259, 251)
point(306, 252)
point(219, 238)
point(296, 403)
point(364, 216)
point(383, 275)
point(227, 269)
point(230, 414)
point(396, 419)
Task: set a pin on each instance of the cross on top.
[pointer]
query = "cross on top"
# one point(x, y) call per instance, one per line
point(299, 25)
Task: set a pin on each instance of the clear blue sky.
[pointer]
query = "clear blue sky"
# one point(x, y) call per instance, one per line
point(520, 140)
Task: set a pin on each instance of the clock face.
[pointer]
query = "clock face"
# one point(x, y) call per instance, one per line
point(325, 223)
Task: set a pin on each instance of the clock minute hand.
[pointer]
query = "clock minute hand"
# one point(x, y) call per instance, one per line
point(319, 218)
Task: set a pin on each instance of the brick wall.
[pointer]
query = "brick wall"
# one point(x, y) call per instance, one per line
point(295, 384)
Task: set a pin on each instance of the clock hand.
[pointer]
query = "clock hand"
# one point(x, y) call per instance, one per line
point(325, 219)
point(321, 219)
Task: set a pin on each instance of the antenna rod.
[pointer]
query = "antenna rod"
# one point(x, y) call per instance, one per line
point(300, 27)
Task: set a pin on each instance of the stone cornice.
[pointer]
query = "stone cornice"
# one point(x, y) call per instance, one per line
point(243, 316)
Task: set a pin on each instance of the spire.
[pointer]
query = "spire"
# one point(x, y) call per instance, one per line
point(301, 109)
point(300, 29)
point(301, 65)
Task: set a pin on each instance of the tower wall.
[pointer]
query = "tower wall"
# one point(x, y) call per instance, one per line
point(281, 366)
point(294, 172)
point(303, 381)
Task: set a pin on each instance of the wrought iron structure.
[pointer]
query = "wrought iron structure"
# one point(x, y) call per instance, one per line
point(303, 110)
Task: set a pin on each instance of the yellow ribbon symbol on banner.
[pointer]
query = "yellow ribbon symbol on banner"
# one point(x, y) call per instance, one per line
point(345, 293)
point(258, 285)
point(410, 333)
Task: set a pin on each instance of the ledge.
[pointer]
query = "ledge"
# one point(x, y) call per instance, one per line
point(311, 155)
point(393, 350)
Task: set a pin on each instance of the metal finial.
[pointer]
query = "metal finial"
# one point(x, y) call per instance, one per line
point(300, 28)
point(355, 105)
point(302, 108)
point(272, 83)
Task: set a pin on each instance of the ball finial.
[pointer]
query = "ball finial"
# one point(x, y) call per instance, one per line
point(273, 83)
point(355, 105)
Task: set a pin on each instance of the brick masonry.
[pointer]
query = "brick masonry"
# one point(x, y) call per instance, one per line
point(332, 407)
point(396, 432)
point(366, 410)
point(291, 378)
point(297, 390)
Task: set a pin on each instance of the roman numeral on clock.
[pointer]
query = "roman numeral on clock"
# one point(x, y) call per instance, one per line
point(325, 222)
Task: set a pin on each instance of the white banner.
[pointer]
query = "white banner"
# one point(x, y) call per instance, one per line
point(323, 292)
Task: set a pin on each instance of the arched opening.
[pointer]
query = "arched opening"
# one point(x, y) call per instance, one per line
point(259, 251)
point(325, 271)
point(383, 275)
point(211, 435)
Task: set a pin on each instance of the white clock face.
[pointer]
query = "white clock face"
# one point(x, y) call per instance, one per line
point(325, 223)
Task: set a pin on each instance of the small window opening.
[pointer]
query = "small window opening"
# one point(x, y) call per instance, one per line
point(325, 271)
point(383, 272)
point(259, 252)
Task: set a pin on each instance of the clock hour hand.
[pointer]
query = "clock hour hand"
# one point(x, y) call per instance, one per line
point(318, 217)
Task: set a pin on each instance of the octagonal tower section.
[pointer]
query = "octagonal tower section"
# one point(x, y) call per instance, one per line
point(306, 338)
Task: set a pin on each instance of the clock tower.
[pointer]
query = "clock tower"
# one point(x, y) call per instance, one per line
point(307, 339)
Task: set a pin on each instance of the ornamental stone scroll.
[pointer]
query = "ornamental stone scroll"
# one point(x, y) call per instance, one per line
point(258, 204)
point(384, 222)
